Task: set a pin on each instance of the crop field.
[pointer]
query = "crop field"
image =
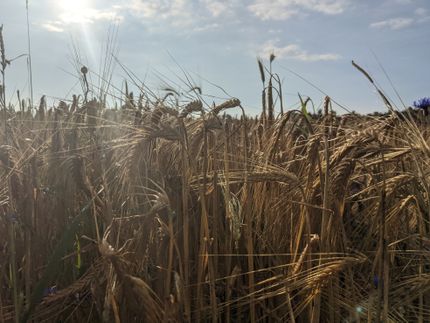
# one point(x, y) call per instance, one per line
point(162, 210)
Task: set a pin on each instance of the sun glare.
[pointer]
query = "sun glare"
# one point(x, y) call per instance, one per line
point(81, 14)
point(74, 6)
point(74, 10)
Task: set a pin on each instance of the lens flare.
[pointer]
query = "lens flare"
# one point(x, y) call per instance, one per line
point(81, 14)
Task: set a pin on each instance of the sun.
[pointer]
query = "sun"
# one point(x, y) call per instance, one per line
point(73, 6)
point(74, 10)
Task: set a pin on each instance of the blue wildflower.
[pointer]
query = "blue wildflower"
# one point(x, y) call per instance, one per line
point(375, 281)
point(49, 291)
point(12, 217)
point(423, 103)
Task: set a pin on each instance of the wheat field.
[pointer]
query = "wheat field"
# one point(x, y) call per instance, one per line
point(159, 211)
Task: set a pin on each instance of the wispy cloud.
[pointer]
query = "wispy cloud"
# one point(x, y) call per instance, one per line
point(189, 16)
point(158, 16)
point(174, 12)
point(217, 8)
point(393, 23)
point(419, 16)
point(207, 27)
point(89, 16)
point(53, 26)
point(69, 18)
point(422, 15)
point(294, 51)
point(421, 12)
point(272, 10)
point(155, 8)
point(285, 9)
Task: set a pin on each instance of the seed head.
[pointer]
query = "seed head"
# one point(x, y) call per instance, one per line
point(84, 70)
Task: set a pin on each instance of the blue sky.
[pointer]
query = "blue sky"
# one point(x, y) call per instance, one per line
point(217, 42)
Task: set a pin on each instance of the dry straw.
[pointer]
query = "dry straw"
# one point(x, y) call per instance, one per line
point(168, 212)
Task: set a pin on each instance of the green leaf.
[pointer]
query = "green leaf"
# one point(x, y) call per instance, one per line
point(304, 107)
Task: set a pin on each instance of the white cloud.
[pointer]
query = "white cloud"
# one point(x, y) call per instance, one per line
point(285, 9)
point(421, 11)
point(275, 31)
point(272, 10)
point(224, 8)
point(393, 23)
point(197, 15)
point(330, 7)
point(216, 8)
point(89, 16)
point(53, 26)
point(420, 16)
point(207, 27)
point(294, 51)
point(67, 17)
point(156, 15)
point(177, 12)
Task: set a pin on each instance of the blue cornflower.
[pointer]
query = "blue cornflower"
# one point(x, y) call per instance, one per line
point(423, 103)
point(376, 281)
point(12, 217)
point(49, 291)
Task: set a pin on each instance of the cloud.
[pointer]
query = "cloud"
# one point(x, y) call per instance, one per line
point(393, 23)
point(421, 16)
point(157, 16)
point(89, 16)
point(175, 12)
point(294, 51)
point(421, 11)
point(53, 26)
point(154, 8)
point(274, 31)
point(206, 27)
point(285, 9)
point(216, 8)
point(199, 15)
point(68, 17)
point(272, 10)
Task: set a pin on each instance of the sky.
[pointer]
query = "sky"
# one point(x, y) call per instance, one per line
point(215, 44)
